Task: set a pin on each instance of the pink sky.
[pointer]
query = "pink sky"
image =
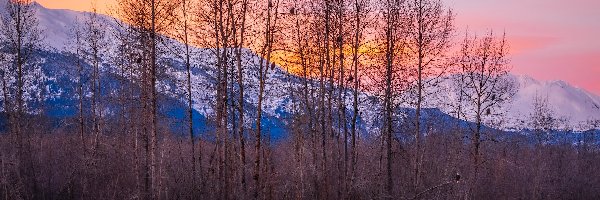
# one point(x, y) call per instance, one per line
point(550, 39)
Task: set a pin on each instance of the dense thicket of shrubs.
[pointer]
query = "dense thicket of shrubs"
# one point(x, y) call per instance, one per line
point(57, 165)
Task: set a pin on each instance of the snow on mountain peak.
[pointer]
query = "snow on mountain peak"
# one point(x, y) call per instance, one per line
point(567, 101)
point(570, 103)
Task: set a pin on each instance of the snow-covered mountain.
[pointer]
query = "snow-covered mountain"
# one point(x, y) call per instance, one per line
point(57, 85)
point(567, 101)
point(572, 106)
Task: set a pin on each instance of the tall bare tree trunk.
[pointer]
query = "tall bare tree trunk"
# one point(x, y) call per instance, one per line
point(355, 79)
point(241, 112)
point(22, 39)
point(419, 97)
point(264, 66)
point(430, 45)
point(388, 103)
point(80, 90)
point(153, 118)
point(190, 110)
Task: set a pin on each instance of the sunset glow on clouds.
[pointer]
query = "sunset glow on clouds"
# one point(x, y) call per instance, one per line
point(549, 39)
point(80, 5)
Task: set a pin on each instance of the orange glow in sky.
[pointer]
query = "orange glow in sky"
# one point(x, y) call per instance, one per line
point(549, 39)
point(103, 6)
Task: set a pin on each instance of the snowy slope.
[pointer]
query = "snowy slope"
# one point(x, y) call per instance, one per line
point(567, 101)
point(57, 24)
point(573, 105)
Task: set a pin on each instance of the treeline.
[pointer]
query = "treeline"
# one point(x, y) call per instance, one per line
point(119, 146)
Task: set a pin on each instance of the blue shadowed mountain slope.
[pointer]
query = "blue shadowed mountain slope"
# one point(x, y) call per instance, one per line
point(57, 85)
point(56, 90)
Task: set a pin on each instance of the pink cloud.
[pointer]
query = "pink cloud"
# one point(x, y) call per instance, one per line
point(550, 39)
point(524, 44)
point(582, 70)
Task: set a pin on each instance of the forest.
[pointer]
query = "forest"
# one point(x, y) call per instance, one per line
point(275, 99)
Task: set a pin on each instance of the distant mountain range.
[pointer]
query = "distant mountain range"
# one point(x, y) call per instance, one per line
point(573, 107)
point(569, 102)
point(574, 104)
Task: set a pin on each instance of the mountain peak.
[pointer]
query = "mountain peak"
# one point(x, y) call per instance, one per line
point(568, 102)
point(574, 105)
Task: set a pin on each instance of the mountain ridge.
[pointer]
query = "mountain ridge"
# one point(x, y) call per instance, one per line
point(569, 101)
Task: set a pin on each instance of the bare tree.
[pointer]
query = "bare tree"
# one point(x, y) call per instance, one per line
point(299, 21)
point(22, 38)
point(394, 25)
point(342, 125)
point(270, 20)
point(240, 78)
point(148, 19)
point(93, 47)
point(360, 13)
point(76, 42)
point(542, 122)
point(542, 119)
point(485, 86)
point(185, 23)
point(429, 33)
point(79, 53)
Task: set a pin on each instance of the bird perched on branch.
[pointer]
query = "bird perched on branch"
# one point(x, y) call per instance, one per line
point(457, 178)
